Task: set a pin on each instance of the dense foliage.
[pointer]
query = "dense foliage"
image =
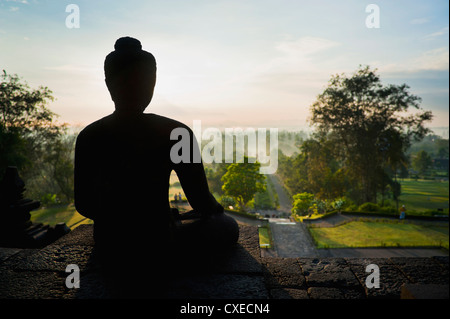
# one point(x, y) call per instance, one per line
point(31, 140)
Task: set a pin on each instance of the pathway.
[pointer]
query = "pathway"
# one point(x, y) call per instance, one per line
point(291, 239)
point(283, 198)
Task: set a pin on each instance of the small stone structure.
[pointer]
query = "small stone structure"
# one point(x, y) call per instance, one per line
point(16, 229)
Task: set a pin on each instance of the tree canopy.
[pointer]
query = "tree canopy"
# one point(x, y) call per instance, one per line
point(242, 181)
point(31, 140)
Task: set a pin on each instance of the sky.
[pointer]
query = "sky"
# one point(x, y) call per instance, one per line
point(247, 63)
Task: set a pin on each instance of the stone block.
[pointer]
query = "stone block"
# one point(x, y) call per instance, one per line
point(6, 253)
point(443, 261)
point(50, 258)
point(422, 270)
point(217, 286)
point(391, 278)
point(92, 286)
point(334, 293)
point(283, 272)
point(31, 284)
point(239, 260)
point(288, 293)
point(328, 272)
point(248, 236)
point(83, 235)
point(424, 291)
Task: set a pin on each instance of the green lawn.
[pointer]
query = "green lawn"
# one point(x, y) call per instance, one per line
point(424, 195)
point(380, 234)
point(264, 238)
point(53, 215)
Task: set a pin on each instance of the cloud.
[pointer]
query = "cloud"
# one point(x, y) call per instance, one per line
point(305, 46)
point(18, 1)
point(443, 31)
point(300, 53)
point(419, 21)
point(431, 60)
point(13, 9)
point(436, 59)
point(298, 56)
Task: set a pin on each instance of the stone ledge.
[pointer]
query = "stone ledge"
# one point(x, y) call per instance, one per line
point(240, 274)
point(421, 291)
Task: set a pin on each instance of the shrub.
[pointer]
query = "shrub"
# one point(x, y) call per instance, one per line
point(338, 204)
point(351, 208)
point(320, 206)
point(262, 201)
point(369, 207)
point(388, 210)
point(227, 201)
point(49, 200)
point(302, 203)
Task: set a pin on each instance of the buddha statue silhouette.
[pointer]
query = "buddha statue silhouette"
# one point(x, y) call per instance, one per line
point(123, 165)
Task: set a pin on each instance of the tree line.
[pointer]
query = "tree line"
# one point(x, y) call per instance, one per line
point(362, 133)
point(43, 150)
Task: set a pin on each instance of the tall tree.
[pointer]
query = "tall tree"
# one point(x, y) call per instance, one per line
point(372, 124)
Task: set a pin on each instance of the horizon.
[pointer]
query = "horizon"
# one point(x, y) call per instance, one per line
point(227, 63)
point(441, 131)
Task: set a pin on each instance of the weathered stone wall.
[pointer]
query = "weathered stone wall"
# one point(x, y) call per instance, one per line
point(241, 274)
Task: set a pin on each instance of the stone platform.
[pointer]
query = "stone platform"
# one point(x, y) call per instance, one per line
point(242, 274)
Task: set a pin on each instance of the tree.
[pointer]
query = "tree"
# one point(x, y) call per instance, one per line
point(24, 115)
point(60, 165)
point(371, 123)
point(317, 169)
point(421, 162)
point(214, 173)
point(242, 181)
point(442, 148)
point(302, 203)
point(293, 172)
point(31, 140)
point(12, 149)
point(326, 177)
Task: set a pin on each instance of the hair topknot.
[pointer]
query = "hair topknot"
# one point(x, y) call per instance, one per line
point(127, 43)
point(128, 55)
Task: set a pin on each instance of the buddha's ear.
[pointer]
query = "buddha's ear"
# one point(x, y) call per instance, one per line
point(111, 88)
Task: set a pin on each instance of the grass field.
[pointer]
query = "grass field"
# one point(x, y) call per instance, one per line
point(363, 234)
point(424, 195)
point(264, 238)
point(175, 186)
point(59, 214)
